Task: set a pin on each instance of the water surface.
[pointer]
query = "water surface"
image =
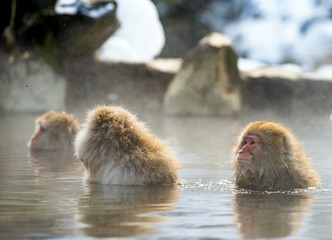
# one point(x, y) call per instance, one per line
point(42, 195)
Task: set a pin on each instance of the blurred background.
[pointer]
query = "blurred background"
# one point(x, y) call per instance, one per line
point(272, 32)
point(95, 45)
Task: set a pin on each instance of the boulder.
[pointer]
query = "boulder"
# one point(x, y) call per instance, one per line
point(208, 82)
point(278, 90)
point(30, 85)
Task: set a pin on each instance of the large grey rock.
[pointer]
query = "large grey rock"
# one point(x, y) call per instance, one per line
point(286, 92)
point(208, 83)
point(30, 85)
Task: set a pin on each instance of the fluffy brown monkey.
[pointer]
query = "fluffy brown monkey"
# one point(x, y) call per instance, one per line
point(116, 148)
point(269, 157)
point(54, 131)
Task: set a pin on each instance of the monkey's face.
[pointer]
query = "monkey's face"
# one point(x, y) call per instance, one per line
point(249, 146)
point(49, 138)
point(36, 140)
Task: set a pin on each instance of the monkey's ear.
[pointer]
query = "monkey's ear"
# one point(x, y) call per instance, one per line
point(285, 145)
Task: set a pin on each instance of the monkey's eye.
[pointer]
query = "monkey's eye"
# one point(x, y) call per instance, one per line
point(252, 142)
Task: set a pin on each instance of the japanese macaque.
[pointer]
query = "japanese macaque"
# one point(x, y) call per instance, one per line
point(269, 157)
point(54, 131)
point(116, 148)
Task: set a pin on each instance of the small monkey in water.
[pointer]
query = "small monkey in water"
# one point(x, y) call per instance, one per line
point(269, 157)
point(116, 148)
point(54, 131)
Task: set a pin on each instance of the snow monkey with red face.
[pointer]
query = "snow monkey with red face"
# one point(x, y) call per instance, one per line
point(268, 156)
point(54, 131)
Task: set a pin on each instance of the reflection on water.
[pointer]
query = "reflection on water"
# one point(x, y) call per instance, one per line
point(270, 215)
point(44, 162)
point(42, 194)
point(122, 211)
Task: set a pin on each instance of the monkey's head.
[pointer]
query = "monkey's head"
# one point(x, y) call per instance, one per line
point(262, 146)
point(108, 129)
point(111, 123)
point(54, 131)
point(269, 157)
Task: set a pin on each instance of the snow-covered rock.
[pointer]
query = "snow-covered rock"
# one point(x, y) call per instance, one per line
point(140, 37)
point(90, 8)
point(245, 64)
point(208, 82)
point(325, 71)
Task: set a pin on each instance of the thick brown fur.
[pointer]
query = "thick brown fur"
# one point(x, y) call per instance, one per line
point(279, 164)
point(116, 148)
point(60, 130)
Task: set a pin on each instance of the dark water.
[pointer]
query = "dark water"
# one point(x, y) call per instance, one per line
point(42, 195)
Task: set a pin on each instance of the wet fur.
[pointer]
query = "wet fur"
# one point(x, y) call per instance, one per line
point(279, 164)
point(116, 148)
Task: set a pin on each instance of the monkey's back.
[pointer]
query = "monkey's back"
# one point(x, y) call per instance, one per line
point(125, 151)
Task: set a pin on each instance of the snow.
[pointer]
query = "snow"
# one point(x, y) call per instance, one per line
point(315, 46)
point(89, 11)
point(140, 37)
point(325, 70)
point(276, 31)
point(69, 7)
point(73, 7)
point(247, 65)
